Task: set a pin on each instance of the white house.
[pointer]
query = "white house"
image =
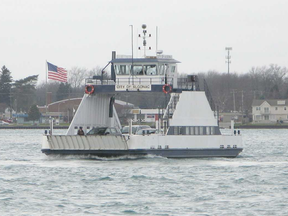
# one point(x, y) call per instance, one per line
point(269, 110)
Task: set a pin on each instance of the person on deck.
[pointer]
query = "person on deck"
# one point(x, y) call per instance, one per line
point(80, 132)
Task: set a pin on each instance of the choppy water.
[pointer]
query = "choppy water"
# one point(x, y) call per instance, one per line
point(255, 183)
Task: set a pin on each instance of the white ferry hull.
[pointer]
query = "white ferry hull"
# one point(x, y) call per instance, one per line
point(137, 145)
point(169, 153)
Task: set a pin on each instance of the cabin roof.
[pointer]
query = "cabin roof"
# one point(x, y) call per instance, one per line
point(144, 60)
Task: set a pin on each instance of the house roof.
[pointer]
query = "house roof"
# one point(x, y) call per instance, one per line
point(278, 102)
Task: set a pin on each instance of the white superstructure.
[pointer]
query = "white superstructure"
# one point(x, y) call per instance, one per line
point(193, 109)
point(189, 121)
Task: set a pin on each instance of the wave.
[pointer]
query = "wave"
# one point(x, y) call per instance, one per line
point(91, 157)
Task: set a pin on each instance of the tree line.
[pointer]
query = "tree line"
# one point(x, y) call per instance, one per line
point(231, 92)
point(20, 95)
point(236, 92)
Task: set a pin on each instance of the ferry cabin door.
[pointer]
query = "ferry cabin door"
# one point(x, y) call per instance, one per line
point(170, 73)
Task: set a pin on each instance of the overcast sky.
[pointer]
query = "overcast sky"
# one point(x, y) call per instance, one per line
point(83, 33)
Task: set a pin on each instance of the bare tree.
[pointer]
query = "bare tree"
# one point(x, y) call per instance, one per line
point(96, 71)
point(77, 77)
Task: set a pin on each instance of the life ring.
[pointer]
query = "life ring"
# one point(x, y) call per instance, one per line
point(166, 88)
point(89, 89)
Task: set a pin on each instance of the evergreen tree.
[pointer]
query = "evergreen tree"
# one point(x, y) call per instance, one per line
point(5, 85)
point(24, 93)
point(34, 113)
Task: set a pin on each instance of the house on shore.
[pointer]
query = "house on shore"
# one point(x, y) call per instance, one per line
point(270, 111)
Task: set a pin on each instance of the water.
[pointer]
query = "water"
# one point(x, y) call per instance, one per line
point(255, 183)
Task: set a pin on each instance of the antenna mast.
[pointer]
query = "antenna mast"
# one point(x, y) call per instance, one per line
point(156, 40)
point(228, 57)
point(144, 26)
point(144, 38)
point(132, 47)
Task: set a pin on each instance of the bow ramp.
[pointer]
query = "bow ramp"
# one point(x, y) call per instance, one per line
point(95, 110)
point(72, 142)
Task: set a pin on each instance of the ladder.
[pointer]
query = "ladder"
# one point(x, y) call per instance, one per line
point(171, 106)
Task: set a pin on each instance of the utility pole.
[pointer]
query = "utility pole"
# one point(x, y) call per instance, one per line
point(10, 104)
point(132, 48)
point(233, 92)
point(242, 106)
point(228, 57)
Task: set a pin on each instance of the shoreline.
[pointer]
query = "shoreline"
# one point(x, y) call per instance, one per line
point(227, 125)
point(66, 127)
point(32, 127)
point(261, 126)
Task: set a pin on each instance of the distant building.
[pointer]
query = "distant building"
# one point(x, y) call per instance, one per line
point(145, 115)
point(8, 113)
point(21, 118)
point(64, 110)
point(265, 111)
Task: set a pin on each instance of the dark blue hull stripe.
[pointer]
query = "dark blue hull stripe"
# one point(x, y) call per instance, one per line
point(169, 153)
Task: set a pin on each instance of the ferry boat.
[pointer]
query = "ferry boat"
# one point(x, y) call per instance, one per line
point(190, 126)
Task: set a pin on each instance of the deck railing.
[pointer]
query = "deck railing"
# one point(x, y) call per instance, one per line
point(130, 80)
point(182, 83)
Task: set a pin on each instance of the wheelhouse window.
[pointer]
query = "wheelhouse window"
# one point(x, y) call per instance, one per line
point(150, 70)
point(138, 70)
point(122, 69)
point(163, 69)
point(173, 69)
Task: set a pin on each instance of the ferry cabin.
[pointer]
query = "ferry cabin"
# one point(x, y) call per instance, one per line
point(152, 70)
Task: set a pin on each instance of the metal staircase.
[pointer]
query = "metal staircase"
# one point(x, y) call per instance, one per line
point(174, 99)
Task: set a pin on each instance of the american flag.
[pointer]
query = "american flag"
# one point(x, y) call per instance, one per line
point(56, 73)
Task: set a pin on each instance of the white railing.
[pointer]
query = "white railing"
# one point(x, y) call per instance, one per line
point(174, 99)
point(143, 80)
point(134, 80)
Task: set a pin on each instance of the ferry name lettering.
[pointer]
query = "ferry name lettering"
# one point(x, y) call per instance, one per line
point(133, 87)
point(120, 87)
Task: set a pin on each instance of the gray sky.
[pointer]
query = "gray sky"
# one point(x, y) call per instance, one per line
point(83, 33)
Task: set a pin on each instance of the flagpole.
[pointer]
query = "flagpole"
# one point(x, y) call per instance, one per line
point(69, 101)
point(46, 69)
